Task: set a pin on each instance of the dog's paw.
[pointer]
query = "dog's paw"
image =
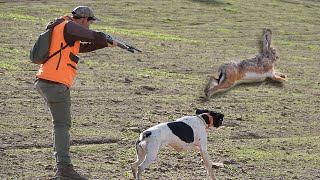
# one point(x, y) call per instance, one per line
point(217, 165)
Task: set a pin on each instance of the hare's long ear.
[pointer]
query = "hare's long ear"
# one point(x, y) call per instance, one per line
point(267, 33)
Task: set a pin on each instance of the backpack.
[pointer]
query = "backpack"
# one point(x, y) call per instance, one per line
point(39, 53)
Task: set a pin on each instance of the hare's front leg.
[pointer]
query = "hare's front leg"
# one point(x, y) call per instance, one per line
point(277, 76)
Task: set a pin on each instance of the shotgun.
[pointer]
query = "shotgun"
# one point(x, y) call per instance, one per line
point(121, 44)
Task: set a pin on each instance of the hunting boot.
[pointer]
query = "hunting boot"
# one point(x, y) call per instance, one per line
point(69, 173)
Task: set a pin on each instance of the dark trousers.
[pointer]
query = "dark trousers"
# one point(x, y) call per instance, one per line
point(57, 97)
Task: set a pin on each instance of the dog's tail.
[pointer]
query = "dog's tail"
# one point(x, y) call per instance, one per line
point(142, 137)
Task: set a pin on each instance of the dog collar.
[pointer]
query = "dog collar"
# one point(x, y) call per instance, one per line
point(210, 120)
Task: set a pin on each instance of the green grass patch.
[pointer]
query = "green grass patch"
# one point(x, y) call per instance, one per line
point(13, 51)
point(297, 141)
point(90, 63)
point(230, 10)
point(286, 43)
point(255, 154)
point(273, 155)
point(314, 47)
point(129, 135)
point(79, 149)
point(93, 148)
point(224, 30)
point(145, 34)
point(19, 128)
point(169, 99)
point(11, 58)
point(278, 149)
point(9, 66)
point(28, 151)
point(81, 131)
point(152, 73)
point(13, 16)
point(311, 47)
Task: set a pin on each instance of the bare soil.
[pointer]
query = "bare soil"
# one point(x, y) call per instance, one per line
point(271, 130)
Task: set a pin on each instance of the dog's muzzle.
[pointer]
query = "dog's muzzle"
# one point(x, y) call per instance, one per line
point(218, 122)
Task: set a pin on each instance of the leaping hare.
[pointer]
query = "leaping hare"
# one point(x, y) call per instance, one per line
point(250, 70)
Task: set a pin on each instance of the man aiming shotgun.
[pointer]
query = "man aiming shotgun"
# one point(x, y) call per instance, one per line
point(70, 36)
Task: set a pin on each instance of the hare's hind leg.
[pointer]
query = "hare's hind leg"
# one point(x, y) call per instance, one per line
point(228, 75)
point(219, 87)
point(277, 76)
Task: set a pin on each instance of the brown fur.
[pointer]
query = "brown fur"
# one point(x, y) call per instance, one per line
point(255, 69)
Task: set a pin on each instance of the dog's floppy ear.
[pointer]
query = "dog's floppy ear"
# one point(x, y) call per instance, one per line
point(215, 114)
point(201, 111)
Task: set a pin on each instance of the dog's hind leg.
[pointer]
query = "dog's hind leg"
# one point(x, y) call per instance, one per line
point(152, 150)
point(207, 161)
point(141, 155)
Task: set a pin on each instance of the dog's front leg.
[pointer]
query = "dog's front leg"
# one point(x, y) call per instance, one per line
point(207, 161)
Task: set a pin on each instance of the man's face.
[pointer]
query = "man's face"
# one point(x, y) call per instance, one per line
point(85, 22)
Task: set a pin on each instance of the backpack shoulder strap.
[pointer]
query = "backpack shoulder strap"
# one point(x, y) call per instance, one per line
point(58, 51)
point(62, 48)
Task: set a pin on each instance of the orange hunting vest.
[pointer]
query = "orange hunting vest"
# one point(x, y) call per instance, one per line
point(62, 67)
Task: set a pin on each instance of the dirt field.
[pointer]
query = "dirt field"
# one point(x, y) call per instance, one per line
point(271, 129)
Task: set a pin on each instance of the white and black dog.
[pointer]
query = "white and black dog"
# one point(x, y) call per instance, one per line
point(183, 134)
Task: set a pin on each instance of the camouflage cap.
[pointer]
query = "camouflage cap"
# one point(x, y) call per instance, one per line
point(83, 11)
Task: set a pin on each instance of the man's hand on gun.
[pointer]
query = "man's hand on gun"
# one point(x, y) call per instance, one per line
point(115, 42)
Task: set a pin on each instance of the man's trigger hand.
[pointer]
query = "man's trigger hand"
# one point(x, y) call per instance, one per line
point(114, 43)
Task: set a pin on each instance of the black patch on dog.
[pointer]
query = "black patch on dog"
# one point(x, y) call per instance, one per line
point(147, 133)
point(182, 130)
point(206, 118)
point(201, 111)
point(217, 118)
